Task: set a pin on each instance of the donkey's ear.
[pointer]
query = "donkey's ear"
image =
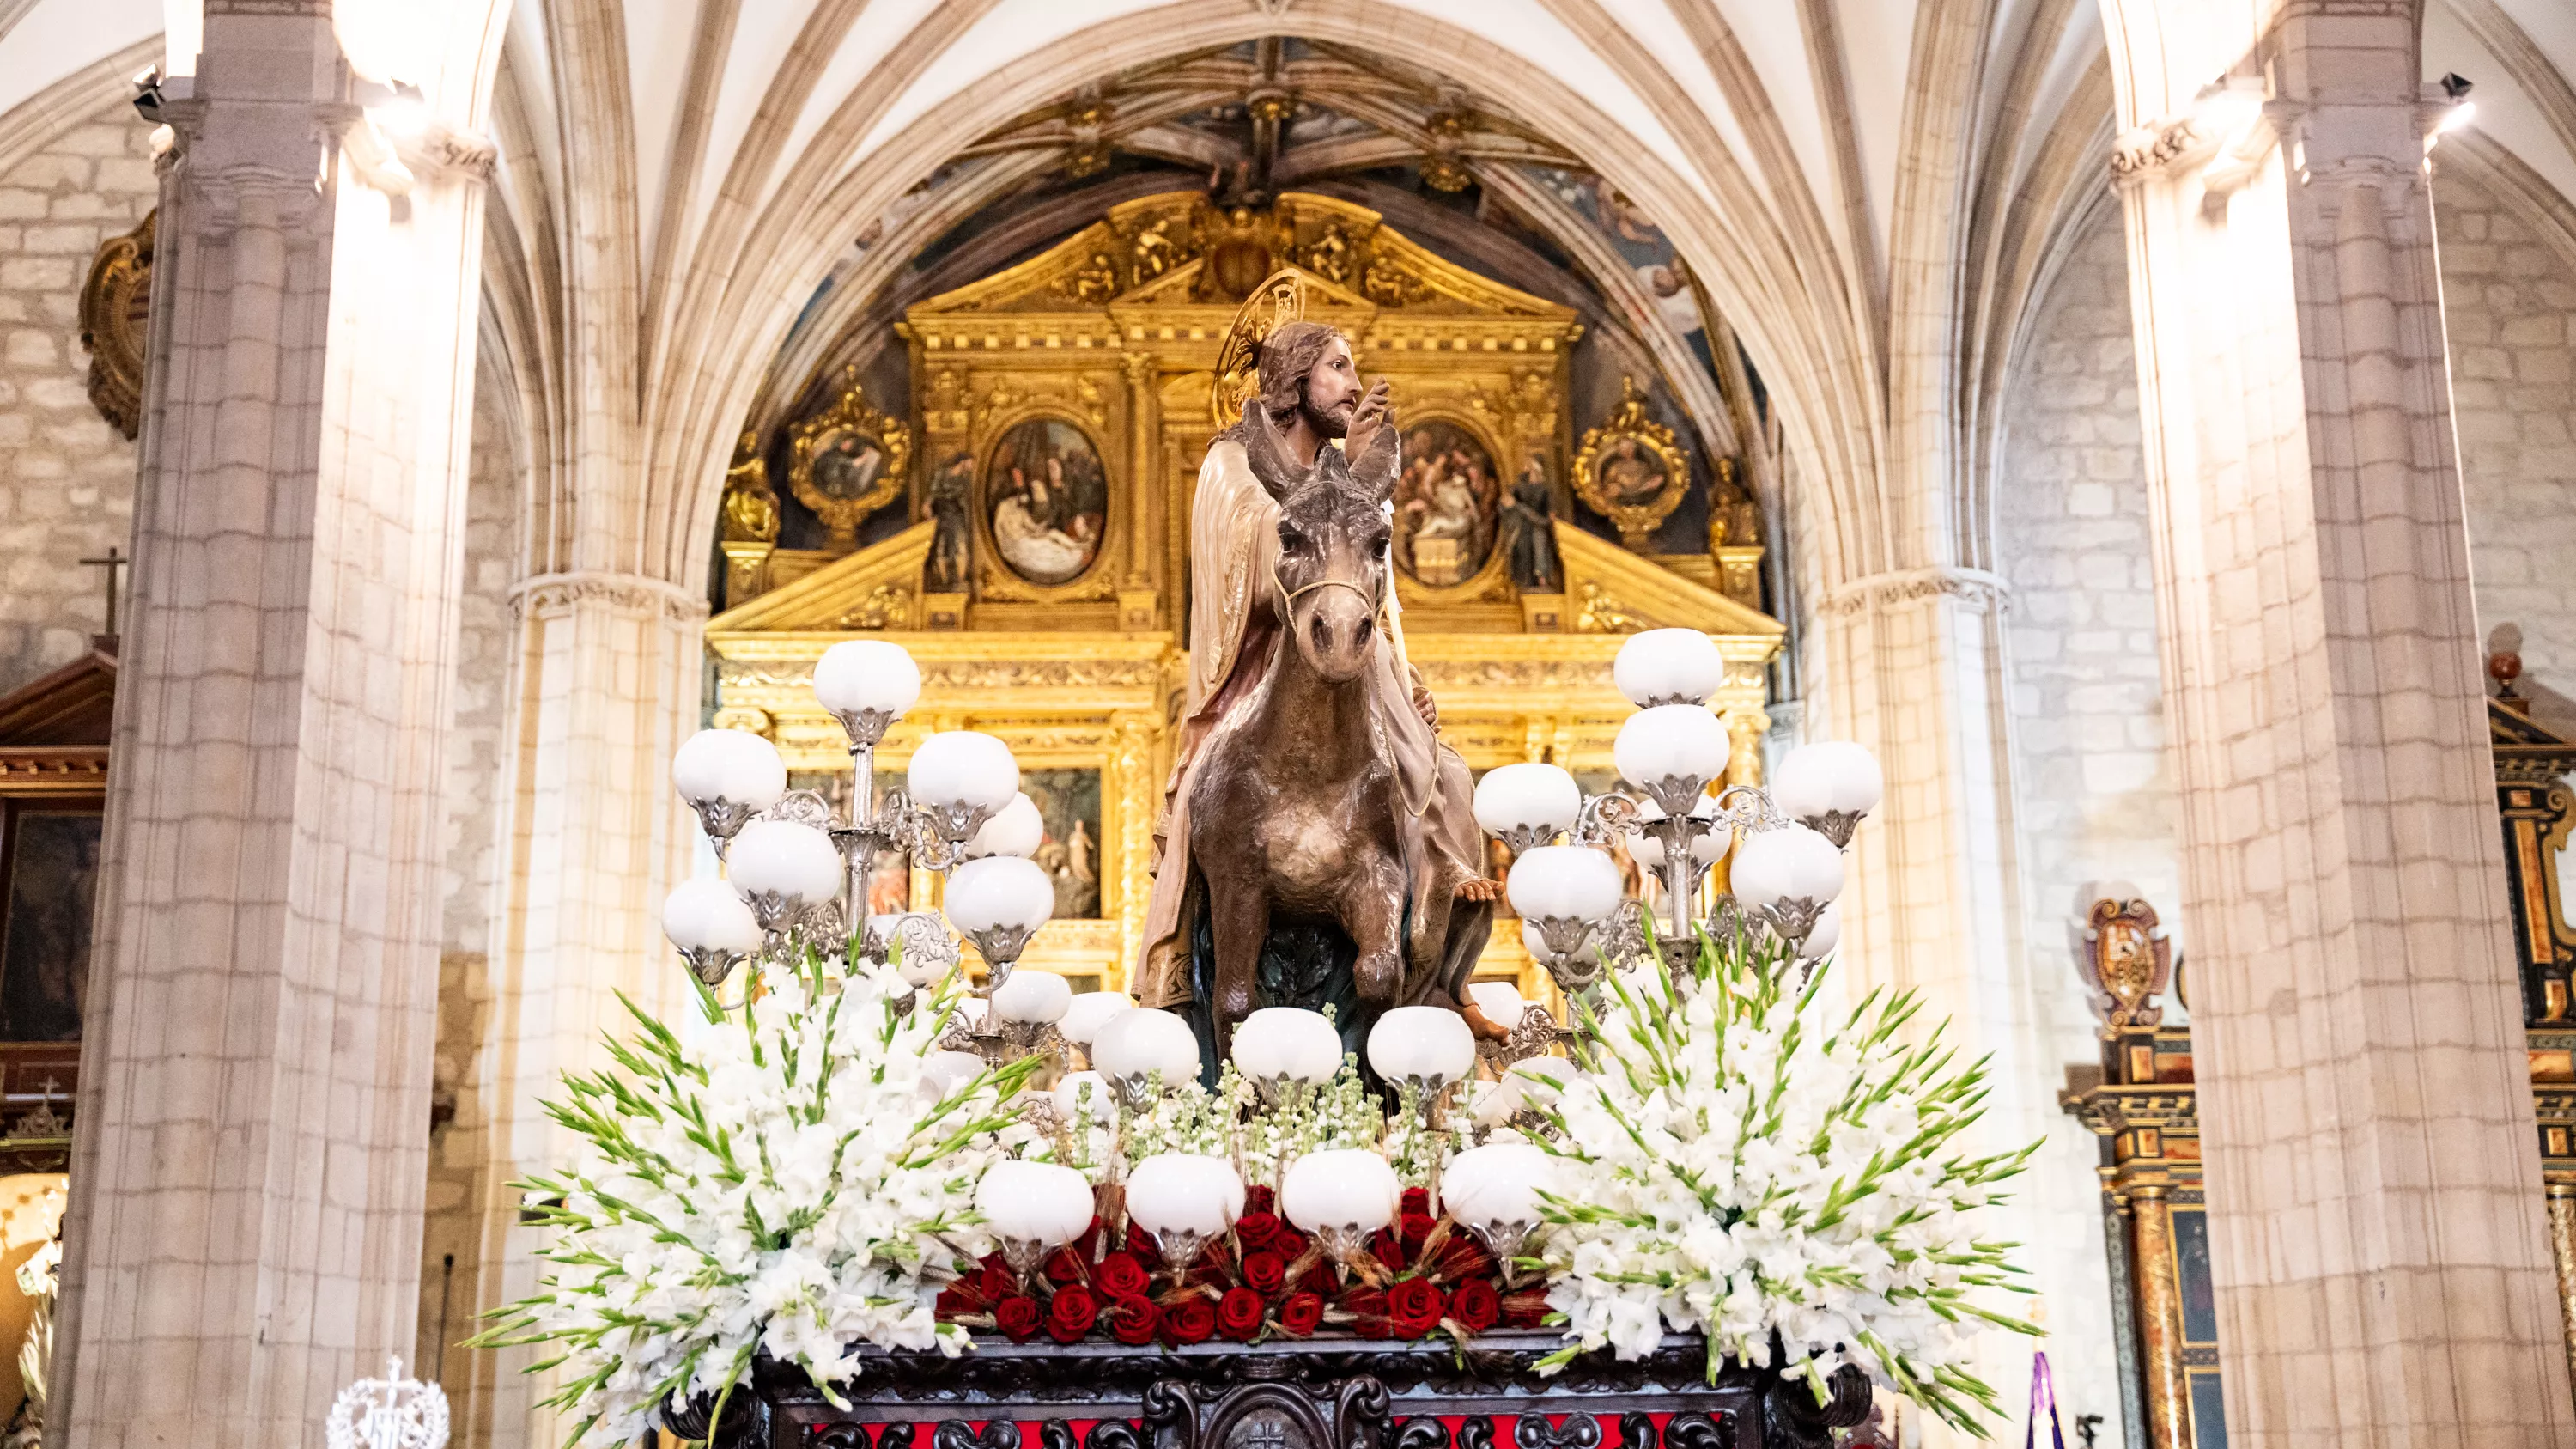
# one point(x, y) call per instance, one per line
point(1375, 468)
point(1267, 452)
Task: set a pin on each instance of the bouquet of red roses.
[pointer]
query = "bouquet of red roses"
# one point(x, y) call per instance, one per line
point(1264, 1277)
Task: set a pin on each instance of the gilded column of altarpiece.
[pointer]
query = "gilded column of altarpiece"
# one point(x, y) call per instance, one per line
point(1060, 409)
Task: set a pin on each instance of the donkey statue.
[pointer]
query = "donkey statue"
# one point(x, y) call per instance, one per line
point(1299, 816)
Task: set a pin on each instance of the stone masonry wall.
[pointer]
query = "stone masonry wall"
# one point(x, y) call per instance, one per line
point(2510, 307)
point(449, 1249)
point(2094, 798)
point(66, 475)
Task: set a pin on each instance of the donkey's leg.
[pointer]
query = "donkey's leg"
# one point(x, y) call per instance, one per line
point(1372, 912)
point(1239, 922)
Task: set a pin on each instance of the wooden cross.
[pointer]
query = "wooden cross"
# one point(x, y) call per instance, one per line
point(114, 561)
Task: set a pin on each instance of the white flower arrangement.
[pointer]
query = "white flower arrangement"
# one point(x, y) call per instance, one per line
point(1738, 1166)
point(787, 1180)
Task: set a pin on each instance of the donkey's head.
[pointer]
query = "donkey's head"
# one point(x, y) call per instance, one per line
point(1333, 538)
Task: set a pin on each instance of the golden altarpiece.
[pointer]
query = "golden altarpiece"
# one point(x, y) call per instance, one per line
point(1060, 411)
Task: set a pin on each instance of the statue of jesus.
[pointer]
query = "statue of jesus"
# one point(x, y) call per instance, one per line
point(1311, 390)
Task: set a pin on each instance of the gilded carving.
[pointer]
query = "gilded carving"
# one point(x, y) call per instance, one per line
point(1094, 282)
point(847, 462)
point(887, 606)
point(113, 308)
point(750, 504)
point(2127, 960)
point(1631, 470)
point(1603, 613)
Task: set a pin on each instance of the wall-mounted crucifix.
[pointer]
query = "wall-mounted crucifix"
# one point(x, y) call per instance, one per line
point(114, 562)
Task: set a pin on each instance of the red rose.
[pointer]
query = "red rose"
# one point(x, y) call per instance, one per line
point(1138, 1320)
point(1301, 1313)
point(1414, 1307)
point(1119, 1276)
point(1265, 1273)
point(993, 1280)
point(1258, 1199)
point(1387, 1249)
point(1256, 1231)
point(1417, 1200)
point(1017, 1316)
point(1070, 1313)
point(1290, 1244)
point(1142, 1247)
point(1065, 1266)
point(1190, 1321)
point(1367, 1307)
point(1239, 1313)
point(1414, 1227)
point(1475, 1305)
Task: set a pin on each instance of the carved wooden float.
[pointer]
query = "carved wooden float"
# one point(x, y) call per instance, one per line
point(1332, 1393)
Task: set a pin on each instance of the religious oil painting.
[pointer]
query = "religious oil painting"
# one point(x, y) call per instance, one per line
point(44, 958)
point(847, 463)
point(1447, 499)
point(1069, 802)
point(1046, 498)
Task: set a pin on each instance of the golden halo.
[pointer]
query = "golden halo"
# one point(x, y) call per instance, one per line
point(1281, 298)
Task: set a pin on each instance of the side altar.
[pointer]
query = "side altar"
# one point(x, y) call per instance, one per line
point(1059, 409)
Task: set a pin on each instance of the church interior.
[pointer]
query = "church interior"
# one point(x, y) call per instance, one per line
point(2144, 425)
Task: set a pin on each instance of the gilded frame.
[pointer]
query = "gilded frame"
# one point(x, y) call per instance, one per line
point(1635, 521)
point(849, 413)
point(995, 579)
point(1491, 578)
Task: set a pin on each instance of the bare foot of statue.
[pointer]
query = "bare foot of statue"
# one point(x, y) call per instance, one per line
point(1480, 889)
point(1485, 1027)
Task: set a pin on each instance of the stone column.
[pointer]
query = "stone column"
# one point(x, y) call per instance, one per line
point(606, 686)
point(1912, 665)
point(2378, 1247)
point(244, 1231)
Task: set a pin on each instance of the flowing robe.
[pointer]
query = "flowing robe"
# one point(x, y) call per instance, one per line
point(1234, 628)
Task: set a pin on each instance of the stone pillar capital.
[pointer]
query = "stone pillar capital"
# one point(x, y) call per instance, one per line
point(1876, 592)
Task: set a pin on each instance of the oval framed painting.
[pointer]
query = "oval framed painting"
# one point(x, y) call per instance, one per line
point(1447, 501)
point(1046, 500)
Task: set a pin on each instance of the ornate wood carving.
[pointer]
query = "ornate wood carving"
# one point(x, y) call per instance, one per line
point(1315, 1394)
point(114, 306)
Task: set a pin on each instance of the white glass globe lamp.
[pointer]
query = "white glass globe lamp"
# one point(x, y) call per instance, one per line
point(1183, 1199)
point(1032, 998)
point(1033, 1207)
point(1340, 1196)
point(1083, 1094)
point(1089, 1011)
point(866, 684)
point(1493, 1192)
point(998, 903)
point(1426, 1047)
point(1525, 806)
point(1562, 894)
point(1134, 1046)
point(1787, 876)
point(712, 927)
point(781, 868)
point(1668, 666)
point(1277, 1045)
point(1824, 935)
point(1015, 829)
point(1828, 786)
point(1671, 752)
point(962, 778)
point(727, 777)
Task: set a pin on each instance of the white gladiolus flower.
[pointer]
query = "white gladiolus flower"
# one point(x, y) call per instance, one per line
point(1736, 1164)
point(778, 1183)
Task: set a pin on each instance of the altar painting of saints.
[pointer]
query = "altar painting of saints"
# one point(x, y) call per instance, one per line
point(847, 465)
point(1069, 802)
point(44, 965)
point(1446, 501)
point(1631, 474)
point(1047, 500)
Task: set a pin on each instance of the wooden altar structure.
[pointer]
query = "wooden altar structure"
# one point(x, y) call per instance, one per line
point(1059, 412)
